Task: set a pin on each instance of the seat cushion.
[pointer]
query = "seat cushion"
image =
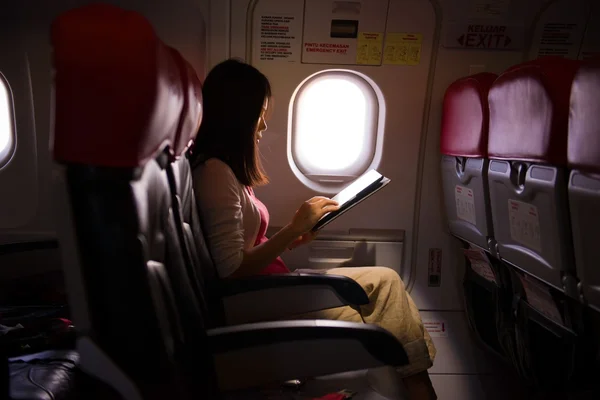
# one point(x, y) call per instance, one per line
point(118, 88)
point(584, 120)
point(465, 118)
point(529, 110)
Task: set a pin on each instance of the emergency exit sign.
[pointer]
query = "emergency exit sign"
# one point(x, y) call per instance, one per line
point(490, 37)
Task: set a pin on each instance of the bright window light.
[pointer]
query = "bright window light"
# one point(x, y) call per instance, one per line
point(6, 122)
point(335, 127)
point(331, 124)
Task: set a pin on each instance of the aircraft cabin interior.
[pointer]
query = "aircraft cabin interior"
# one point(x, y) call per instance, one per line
point(428, 230)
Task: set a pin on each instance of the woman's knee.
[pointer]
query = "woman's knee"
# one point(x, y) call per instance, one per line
point(388, 276)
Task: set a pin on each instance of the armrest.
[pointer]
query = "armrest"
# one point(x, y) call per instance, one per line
point(264, 298)
point(257, 354)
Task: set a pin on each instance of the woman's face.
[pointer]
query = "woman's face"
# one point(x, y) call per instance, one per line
point(262, 123)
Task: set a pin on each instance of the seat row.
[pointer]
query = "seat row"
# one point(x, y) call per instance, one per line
point(521, 169)
point(153, 320)
point(520, 172)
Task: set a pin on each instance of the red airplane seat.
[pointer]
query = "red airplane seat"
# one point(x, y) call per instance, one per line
point(463, 145)
point(583, 153)
point(118, 103)
point(529, 109)
point(191, 115)
point(201, 270)
point(464, 176)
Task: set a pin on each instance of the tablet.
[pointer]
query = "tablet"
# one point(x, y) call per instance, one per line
point(359, 190)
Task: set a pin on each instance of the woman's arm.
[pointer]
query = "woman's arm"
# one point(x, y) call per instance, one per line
point(259, 257)
point(219, 203)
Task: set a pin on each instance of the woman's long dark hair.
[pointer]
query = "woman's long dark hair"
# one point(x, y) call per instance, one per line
point(233, 95)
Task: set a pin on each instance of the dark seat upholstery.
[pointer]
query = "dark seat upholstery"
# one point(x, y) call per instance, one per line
point(120, 95)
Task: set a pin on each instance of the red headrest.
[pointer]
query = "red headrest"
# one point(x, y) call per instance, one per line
point(191, 115)
point(118, 89)
point(529, 109)
point(584, 119)
point(465, 118)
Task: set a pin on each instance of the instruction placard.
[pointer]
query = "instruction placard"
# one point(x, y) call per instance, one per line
point(331, 48)
point(481, 264)
point(465, 204)
point(560, 39)
point(524, 222)
point(436, 327)
point(402, 48)
point(278, 35)
point(369, 48)
point(539, 297)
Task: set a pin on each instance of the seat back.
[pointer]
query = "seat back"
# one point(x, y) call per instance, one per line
point(529, 110)
point(584, 182)
point(118, 106)
point(463, 145)
point(201, 269)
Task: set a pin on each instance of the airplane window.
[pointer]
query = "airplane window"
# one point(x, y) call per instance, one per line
point(6, 122)
point(335, 119)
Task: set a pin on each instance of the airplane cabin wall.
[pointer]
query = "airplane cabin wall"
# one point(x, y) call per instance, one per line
point(413, 202)
point(404, 106)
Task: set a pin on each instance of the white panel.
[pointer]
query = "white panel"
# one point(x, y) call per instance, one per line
point(486, 25)
point(326, 254)
point(318, 45)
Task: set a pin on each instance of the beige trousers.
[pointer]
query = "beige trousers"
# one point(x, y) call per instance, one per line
point(390, 307)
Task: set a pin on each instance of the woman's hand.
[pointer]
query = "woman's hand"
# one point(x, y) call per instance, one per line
point(296, 232)
point(310, 212)
point(304, 239)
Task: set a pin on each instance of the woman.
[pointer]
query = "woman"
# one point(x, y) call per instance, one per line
point(227, 166)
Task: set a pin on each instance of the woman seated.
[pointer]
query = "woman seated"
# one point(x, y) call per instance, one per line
point(226, 168)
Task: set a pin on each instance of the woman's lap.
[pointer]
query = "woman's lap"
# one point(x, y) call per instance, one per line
point(390, 307)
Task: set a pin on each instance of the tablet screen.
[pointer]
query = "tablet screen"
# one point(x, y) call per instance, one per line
point(356, 187)
point(353, 195)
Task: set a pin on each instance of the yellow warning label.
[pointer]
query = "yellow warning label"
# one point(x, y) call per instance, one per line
point(369, 48)
point(402, 48)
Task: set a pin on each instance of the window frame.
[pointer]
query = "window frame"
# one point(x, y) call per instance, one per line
point(369, 159)
point(7, 153)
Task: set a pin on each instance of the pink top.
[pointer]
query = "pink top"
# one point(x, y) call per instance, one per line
point(277, 266)
point(233, 219)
